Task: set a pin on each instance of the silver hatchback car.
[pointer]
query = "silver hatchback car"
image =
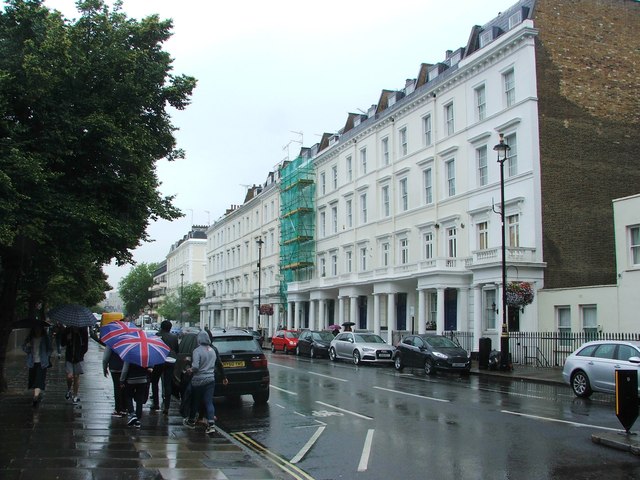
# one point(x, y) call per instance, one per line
point(591, 368)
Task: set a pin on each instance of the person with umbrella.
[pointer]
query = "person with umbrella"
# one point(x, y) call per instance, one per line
point(76, 343)
point(37, 346)
point(134, 380)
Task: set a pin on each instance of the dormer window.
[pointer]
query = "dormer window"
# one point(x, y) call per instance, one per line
point(485, 38)
point(515, 19)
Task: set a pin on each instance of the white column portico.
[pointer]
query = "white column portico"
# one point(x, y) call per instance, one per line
point(440, 308)
point(477, 316)
point(288, 322)
point(353, 310)
point(422, 314)
point(312, 314)
point(376, 314)
point(392, 322)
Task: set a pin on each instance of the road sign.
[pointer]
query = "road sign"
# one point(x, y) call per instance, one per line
point(627, 397)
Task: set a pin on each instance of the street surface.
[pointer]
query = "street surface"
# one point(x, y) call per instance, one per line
point(335, 420)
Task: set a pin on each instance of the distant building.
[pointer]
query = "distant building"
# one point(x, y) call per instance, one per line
point(158, 290)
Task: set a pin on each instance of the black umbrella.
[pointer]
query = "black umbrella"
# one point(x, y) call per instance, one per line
point(348, 324)
point(73, 315)
point(30, 323)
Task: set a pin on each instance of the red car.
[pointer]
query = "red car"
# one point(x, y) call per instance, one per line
point(285, 340)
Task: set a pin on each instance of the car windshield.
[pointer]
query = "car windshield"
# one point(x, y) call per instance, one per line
point(326, 336)
point(368, 338)
point(442, 342)
point(291, 334)
point(226, 345)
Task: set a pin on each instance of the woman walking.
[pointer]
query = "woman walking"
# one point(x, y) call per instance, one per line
point(37, 346)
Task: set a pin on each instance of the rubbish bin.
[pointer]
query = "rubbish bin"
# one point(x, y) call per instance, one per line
point(483, 354)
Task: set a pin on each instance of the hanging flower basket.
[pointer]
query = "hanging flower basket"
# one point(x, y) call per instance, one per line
point(519, 294)
point(266, 309)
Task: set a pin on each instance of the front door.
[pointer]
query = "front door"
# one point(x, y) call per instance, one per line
point(451, 309)
point(401, 310)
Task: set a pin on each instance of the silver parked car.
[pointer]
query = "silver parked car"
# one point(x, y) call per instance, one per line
point(360, 347)
point(591, 368)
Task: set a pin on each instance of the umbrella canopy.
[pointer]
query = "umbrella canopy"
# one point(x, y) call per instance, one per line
point(140, 349)
point(110, 332)
point(348, 324)
point(72, 315)
point(30, 323)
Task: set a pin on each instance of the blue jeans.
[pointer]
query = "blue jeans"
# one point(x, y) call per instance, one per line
point(199, 394)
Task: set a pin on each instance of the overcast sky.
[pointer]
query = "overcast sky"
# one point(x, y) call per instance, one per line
point(269, 69)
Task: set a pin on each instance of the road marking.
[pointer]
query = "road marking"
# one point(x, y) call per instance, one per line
point(328, 376)
point(303, 451)
point(366, 451)
point(345, 411)
point(280, 365)
point(414, 395)
point(278, 461)
point(575, 424)
point(283, 390)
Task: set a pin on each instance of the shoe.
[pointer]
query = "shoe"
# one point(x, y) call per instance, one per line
point(132, 421)
point(155, 408)
point(116, 414)
point(137, 424)
point(68, 395)
point(211, 428)
point(76, 400)
point(189, 423)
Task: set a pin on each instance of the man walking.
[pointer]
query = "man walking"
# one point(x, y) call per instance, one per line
point(76, 343)
point(171, 340)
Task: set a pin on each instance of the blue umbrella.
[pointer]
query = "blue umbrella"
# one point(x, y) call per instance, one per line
point(140, 349)
point(73, 315)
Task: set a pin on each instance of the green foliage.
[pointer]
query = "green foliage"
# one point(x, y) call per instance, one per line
point(134, 288)
point(84, 122)
point(185, 300)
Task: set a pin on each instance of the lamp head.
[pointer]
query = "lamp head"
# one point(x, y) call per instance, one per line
point(502, 148)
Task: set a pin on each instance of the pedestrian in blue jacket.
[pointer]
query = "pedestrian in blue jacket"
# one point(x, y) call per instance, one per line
point(37, 346)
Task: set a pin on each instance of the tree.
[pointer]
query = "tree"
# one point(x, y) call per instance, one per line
point(183, 303)
point(134, 287)
point(84, 122)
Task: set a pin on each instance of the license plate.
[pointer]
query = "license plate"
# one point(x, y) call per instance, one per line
point(236, 364)
point(459, 364)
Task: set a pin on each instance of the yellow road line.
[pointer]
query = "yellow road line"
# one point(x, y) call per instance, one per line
point(278, 461)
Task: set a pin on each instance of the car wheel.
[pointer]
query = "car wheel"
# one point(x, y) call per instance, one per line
point(580, 384)
point(332, 354)
point(297, 351)
point(397, 363)
point(261, 398)
point(312, 353)
point(356, 357)
point(285, 350)
point(428, 366)
point(273, 348)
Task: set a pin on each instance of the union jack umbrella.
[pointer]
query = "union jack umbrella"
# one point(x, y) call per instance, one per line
point(110, 332)
point(140, 349)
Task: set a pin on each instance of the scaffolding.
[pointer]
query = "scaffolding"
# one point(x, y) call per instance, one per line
point(297, 221)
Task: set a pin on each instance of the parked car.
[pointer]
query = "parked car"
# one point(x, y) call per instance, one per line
point(432, 353)
point(245, 364)
point(591, 368)
point(360, 347)
point(314, 343)
point(257, 334)
point(285, 340)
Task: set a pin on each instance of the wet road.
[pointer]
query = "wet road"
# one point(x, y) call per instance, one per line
point(335, 420)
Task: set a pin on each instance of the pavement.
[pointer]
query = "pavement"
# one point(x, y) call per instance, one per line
point(59, 440)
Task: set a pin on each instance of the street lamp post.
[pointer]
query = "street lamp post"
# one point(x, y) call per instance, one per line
point(502, 149)
point(260, 242)
point(181, 295)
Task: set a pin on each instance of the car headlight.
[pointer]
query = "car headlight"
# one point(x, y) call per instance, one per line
point(440, 355)
point(292, 343)
point(368, 349)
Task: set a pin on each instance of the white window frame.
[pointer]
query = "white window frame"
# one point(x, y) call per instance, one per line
point(363, 160)
point(513, 230)
point(349, 168)
point(402, 137)
point(385, 252)
point(563, 323)
point(349, 212)
point(404, 251)
point(334, 219)
point(490, 320)
point(483, 235)
point(363, 259)
point(509, 84)
point(481, 163)
point(334, 173)
point(386, 201)
point(450, 168)
point(323, 224)
point(427, 241)
point(452, 242)
point(363, 208)
point(427, 130)
point(512, 154)
point(334, 265)
point(634, 245)
point(589, 318)
point(404, 194)
point(385, 151)
point(427, 178)
point(323, 183)
point(481, 102)
point(348, 258)
point(323, 266)
point(449, 119)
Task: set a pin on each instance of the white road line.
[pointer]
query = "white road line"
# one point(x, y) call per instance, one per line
point(273, 364)
point(283, 390)
point(343, 410)
point(575, 424)
point(366, 451)
point(328, 376)
point(414, 395)
point(300, 455)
